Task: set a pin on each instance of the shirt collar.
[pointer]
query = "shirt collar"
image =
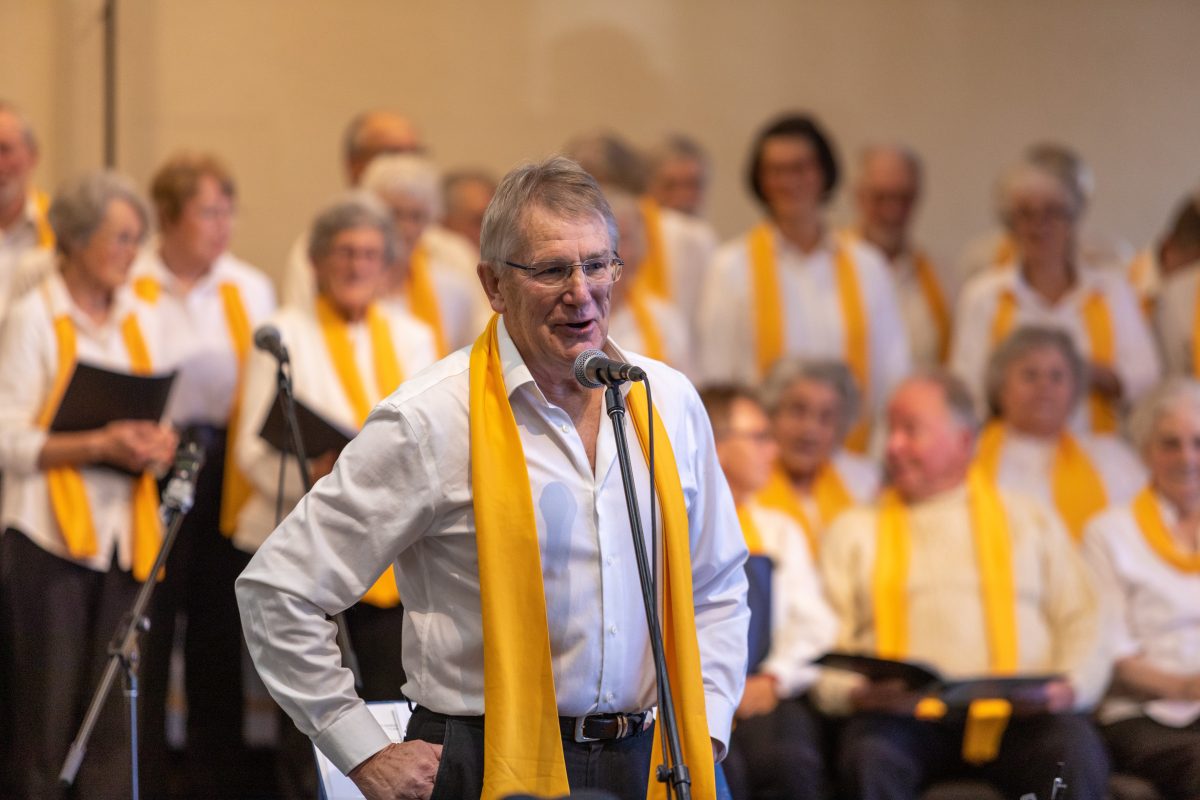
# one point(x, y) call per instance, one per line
point(516, 371)
point(61, 302)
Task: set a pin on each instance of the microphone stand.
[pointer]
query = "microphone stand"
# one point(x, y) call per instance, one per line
point(123, 651)
point(675, 774)
point(287, 401)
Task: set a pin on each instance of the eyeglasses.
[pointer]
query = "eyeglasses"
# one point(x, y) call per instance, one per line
point(556, 274)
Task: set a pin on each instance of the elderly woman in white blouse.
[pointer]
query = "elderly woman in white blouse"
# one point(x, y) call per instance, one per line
point(1147, 559)
point(1035, 381)
point(78, 537)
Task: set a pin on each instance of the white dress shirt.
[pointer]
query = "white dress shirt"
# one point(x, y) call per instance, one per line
point(1176, 319)
point(688, 247)
point(672, 327)
point(802, 624)
point(1098, 248)
point(1056, 614)
point(924, 335)
point(1027, 466)
point(1135, 360)
point(199, 340)
point(461, 300)
point(1152, 610)
point(22, 262)
point(28, 366)
point(813, 321)
point(315, 383)
point(401, 494)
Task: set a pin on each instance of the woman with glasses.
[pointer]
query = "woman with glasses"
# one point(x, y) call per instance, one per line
point(79, 536)
point(1146, 556)
point(1049, 284)
point(789, 286)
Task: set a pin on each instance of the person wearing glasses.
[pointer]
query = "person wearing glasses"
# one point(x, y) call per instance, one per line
point(1048, 283)
point(490, 484)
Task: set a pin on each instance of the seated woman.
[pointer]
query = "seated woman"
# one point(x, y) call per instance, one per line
point(1050, 283)
point(1146, 556)
point(78, 537)
point(1035, 381)
point(812, 405)
point(347, 352)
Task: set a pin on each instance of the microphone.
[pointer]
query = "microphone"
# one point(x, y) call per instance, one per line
point(180, 493)
point(267, 339)
point(593, 369)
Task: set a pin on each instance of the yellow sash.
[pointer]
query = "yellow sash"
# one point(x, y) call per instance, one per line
point(235, 487)
point(522, 740)
point(1097, 321)
point(754, 541)
point(1145, 511)
point(939, 309)
point(68, 493)
point(769, 316)
point(422, 297)
point(388, 375)
point(652, 341)
point(986, 719)
point(1140, 273)
point(652, 274)
point(828, 490)
point(1075, 484)
point(41, 220)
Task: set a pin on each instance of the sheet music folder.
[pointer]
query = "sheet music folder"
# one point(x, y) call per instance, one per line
point(95, 397)
point(924, 678)
point(319, 434)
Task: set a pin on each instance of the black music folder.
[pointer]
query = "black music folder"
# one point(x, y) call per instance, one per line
point(95, 397)
point(920, 677)
point(318, 433)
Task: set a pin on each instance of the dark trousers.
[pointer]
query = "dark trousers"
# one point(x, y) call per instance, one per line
point(1167, 757)
point(620, 767)
point(61, 617)
point(778, 755)
point(198, 590)
point(884, 757)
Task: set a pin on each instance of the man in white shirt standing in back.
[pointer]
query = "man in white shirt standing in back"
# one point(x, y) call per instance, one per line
point(24, 229)
point(490, 482)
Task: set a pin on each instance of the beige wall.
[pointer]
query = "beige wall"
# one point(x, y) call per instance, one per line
point(270, 83)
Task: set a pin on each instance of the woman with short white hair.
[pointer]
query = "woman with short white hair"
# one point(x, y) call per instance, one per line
point(1146, 556)
point(1049, 284)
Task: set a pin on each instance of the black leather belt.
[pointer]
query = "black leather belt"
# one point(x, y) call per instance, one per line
point(602, 727)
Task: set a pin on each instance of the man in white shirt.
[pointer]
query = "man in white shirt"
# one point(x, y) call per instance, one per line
point(886, 194)
point(24, 230)
point(469, 548)
point(952, 572)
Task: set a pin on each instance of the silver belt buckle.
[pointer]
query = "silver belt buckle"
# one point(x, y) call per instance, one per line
point(579, 736)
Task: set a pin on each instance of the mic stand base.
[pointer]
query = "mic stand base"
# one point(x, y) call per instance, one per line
point(675, 777)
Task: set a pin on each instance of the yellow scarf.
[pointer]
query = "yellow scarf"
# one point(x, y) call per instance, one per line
point(68, 493)
point(41, 207)
point(939, 309)
point(1097, 321)
point(652, 273)
point(986, 719)
point(828, 490)
point(235, 486)
point(522, 742)
point(754, 542)
point(769, 316)
point(652, 341)
point(1146, 513)
point(422, 297)
point(388, 375)
point(1075, 484)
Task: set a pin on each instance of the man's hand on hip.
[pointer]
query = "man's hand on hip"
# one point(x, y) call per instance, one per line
point(399, 772)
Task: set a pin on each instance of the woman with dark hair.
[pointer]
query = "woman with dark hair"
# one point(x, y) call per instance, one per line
point(790, 287)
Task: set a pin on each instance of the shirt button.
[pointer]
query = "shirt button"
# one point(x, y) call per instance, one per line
point(608, 560)
point(609, 697)
point(566, 428)
point(612, 629)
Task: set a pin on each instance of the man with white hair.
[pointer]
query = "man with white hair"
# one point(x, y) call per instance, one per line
point(24, 229)
point(369, 135)
point(886, 194)
point(950, 571)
